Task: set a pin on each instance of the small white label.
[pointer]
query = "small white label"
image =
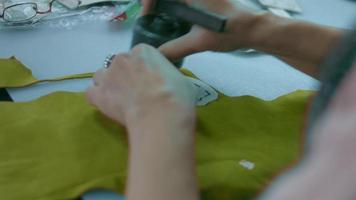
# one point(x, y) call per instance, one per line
point(205, 93)
point(280, 12)
point(290, 5)
point(247, 164)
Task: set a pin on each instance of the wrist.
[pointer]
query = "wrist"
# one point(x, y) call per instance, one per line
point(159, 110)
point(162, 126)
point(162, 160)
point(252, 29)
point(161, 115)
point(163, 142)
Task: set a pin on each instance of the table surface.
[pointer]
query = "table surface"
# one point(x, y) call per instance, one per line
point(51, 52)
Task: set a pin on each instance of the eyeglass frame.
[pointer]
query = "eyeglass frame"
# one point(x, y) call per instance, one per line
point(27, 3)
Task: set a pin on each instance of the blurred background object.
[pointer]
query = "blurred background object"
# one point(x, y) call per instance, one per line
point(58, 13)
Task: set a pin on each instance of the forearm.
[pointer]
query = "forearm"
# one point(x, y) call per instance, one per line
point(317, 179)
point(301, 44)
point(328, 169)
point(322, 176)
point(161, 163)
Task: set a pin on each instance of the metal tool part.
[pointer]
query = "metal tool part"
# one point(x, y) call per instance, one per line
point(208, 20)
point(172, 19)
point(156, 30)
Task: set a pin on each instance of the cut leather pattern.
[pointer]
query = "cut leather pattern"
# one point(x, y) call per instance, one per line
point(59, 146)
point(13, 74)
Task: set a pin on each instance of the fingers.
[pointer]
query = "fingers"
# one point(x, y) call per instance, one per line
point(102, 74)
point(98, 77)
point(181, 47)
point(92, 95)
point(147, 6)
point(146, 52)
point(141, 47)
point(138, 49)
point(151, 58)
point(104, 103)
point(118, 63)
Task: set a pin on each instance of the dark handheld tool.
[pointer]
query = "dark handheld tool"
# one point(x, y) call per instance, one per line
point(208, 20)
point(172, 19)
point(156, 30)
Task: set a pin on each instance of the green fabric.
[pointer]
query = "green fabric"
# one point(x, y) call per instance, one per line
point(59, 146)
point(13, 74)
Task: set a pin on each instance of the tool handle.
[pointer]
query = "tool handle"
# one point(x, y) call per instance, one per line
point(208, 20)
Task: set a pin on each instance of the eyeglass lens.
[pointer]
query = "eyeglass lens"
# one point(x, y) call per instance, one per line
point(21, 12)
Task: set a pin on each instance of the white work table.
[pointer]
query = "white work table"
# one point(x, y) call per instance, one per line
point(52, 52)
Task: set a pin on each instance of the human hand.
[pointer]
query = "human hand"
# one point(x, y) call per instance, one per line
point(240, 23)
point(145, 92)
point(143, 85)
point(147, 6)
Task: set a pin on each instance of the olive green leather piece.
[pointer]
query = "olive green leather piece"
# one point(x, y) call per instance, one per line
point(58, 147)
point(13, 74)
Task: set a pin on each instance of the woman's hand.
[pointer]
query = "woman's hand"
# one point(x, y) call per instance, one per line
point(147, 6)
point(303, 45)
point(145, 92)
point(238, 28)
point(142, 85)
point(240, 24)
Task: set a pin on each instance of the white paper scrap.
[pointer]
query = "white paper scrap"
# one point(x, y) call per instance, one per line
point(74, 4)
point(247, 164)
point(290, 5)
point(205, 93)
point(280, 12)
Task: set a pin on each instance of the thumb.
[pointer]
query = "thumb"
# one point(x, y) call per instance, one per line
point(147, 6)
point(179, 48)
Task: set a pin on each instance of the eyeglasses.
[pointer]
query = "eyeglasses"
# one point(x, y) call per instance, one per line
point(23, 12)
